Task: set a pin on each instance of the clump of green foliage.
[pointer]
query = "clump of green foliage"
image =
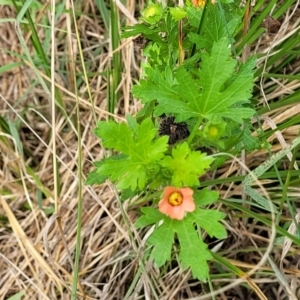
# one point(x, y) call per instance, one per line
point(192, 76)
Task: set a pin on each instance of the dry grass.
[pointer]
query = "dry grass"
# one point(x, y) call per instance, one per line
point(37, 247)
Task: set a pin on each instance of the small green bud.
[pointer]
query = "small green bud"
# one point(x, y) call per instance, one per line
point(178, 13)
point(152, 14)
point(152, 169)
point(213, 131)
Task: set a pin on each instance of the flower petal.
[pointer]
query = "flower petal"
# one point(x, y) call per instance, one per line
point(168, 190)
point(164, 206)
point(177, 212)
point(186, 192)
point(188, 204)
point(195, 2)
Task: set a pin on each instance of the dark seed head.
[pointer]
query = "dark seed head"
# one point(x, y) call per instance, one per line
point(175, 131)
point(140, 42)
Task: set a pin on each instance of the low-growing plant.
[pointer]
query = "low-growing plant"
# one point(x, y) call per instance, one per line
point(196, 95)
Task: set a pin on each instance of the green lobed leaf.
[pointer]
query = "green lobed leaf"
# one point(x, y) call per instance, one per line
point(250, 142)
point(162, 239)
point(247, 140)
point(218, 91)
point(193, 251)
point(145, 112)
point(127, 194)
point(150, 216)
point(244, 113)
point(213, 76)
point(159, 85)
point(215, 27)
point(194, 15)
point(94, 178)
point(127, 172)
point(177, 107)
point(115, 135)
point(132, 123)
point(209, 221)
point(237, 88)
point(205, 197)
point(139, 149)
point(186, 165)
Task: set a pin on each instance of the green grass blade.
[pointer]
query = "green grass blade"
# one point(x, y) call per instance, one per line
point(24, 11)
point(116, 60)
point(104, 12)
point(262, 219)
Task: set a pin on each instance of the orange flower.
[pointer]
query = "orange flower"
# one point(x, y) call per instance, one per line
point(198, 3)
point(176, 202)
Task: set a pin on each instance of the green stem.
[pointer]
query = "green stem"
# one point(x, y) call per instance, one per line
point(200, 28)
point(194, 131)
